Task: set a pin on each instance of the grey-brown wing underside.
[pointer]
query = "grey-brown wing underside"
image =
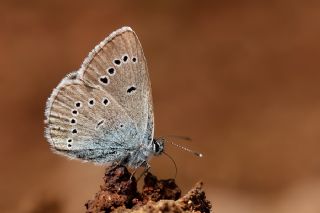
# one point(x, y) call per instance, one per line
point(129, 83)
point(104, 110)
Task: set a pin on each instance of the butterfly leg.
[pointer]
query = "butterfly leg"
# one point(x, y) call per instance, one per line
point(133, 173)
point(114, 166)
point(117, 164)
point(147, 167)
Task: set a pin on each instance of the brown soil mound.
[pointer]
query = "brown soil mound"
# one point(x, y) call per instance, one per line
point(119, 194)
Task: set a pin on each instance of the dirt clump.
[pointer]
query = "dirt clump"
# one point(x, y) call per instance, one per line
point(119, 194)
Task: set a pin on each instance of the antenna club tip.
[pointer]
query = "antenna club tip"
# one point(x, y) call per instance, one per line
point(200, 155)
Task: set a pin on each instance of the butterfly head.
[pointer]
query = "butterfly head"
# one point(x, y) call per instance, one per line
point(157, 146)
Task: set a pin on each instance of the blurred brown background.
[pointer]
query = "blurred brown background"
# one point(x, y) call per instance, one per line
point(239, 77)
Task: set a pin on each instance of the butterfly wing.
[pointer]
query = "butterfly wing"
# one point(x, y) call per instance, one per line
point(121, 53)
point(104, 110)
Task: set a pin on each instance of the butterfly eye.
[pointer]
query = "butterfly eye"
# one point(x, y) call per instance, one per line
point(134, 59)
point(156, 147)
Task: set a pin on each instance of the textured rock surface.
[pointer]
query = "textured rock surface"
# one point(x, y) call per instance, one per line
point(119, 194)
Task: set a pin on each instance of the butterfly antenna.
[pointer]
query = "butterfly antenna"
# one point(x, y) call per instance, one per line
point(175, 165)
point(198, 154)
point(186, 138)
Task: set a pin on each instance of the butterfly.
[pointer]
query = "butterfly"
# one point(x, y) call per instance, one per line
point(103, 113)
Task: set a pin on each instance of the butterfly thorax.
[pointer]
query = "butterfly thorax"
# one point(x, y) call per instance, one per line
point(140, 157)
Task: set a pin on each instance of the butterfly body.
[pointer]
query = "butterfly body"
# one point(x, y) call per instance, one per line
point(103, 112)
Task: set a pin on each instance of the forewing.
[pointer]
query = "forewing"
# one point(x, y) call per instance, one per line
point(128, 83)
